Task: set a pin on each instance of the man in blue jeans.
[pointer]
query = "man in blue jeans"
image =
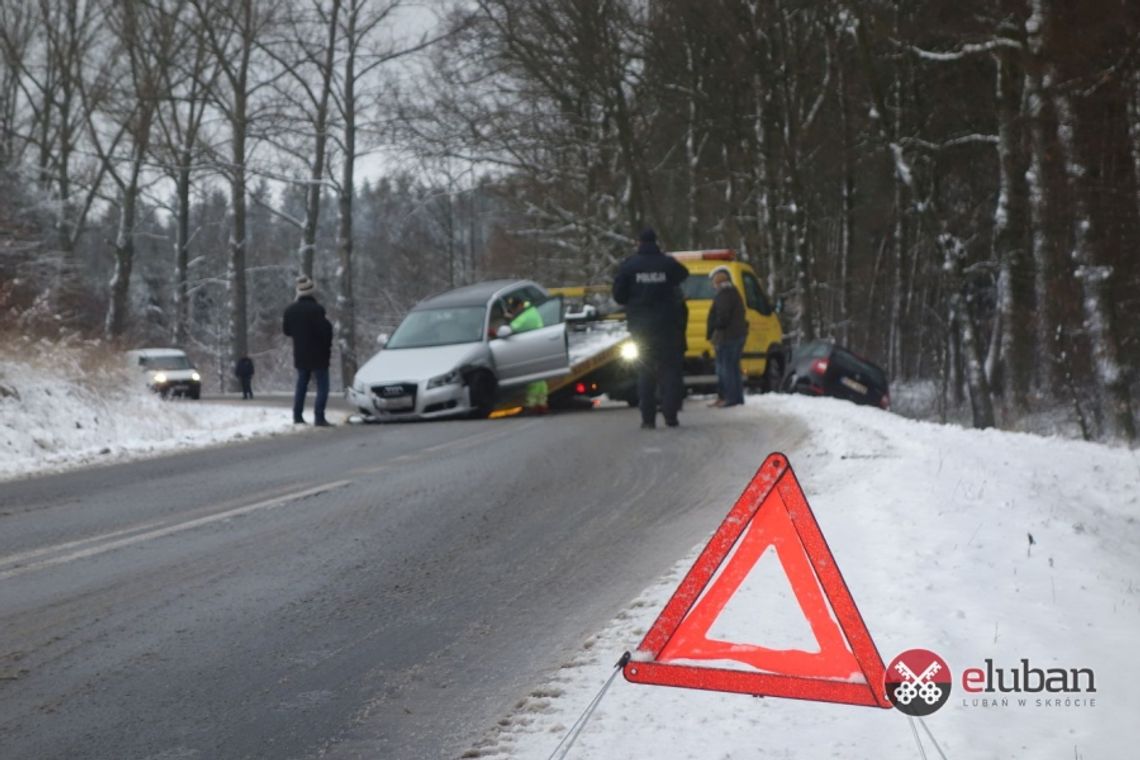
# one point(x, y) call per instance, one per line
point(311, 331)
point(727, 331)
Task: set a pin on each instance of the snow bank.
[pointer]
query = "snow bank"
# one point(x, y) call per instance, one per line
point(930, 525)
point(63, 407)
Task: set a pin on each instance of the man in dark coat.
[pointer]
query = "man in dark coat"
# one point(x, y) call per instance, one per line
point(244, 372)
point(727, 331)
point(311, 331)
point(646, 284)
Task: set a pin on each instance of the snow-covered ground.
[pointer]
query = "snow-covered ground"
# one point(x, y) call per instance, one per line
point(62, 408)
point(930, 526)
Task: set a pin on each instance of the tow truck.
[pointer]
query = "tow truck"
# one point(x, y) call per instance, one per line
point(603, 357)
point(765, 354)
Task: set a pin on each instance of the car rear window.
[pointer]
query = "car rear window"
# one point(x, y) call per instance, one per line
point(863, 366)
point(697, 288)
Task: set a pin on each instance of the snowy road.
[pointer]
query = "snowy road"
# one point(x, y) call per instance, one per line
point(381, 592)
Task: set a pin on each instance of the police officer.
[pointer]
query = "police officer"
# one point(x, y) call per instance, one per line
point(646, 284)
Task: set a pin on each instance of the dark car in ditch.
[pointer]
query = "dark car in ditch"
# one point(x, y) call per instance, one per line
point(822, 368)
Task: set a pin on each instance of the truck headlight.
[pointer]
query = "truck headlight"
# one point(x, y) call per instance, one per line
point(629, 351)
point(195, 377)
point(160, 377)
point(451, 378)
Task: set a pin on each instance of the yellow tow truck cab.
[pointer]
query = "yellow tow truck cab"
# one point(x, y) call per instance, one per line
point(764, 359)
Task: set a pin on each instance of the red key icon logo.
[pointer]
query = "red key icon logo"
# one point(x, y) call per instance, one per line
point(917, 682)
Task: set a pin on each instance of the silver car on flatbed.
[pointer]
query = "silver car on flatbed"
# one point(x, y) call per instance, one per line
point(454, 354)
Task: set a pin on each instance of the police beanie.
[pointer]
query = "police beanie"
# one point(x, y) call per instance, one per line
point(648, 235)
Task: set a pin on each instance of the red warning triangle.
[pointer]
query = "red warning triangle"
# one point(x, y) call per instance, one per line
point(679, 649)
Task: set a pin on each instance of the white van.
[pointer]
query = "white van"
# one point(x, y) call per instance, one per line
point(169, 371)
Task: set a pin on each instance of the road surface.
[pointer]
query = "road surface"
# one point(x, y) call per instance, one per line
point(366, 591)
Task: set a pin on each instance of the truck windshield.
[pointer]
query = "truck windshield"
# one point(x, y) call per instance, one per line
point(166, 362)
point(439, 327)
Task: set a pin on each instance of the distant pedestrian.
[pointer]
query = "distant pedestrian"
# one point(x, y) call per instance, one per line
point(727, 331)
point(311, 331)
point(244, 372)
point(646, 284)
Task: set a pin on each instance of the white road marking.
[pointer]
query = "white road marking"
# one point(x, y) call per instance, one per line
point(13, 559)
point(102, 548)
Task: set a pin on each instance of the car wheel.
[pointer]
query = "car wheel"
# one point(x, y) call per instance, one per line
point(773, 373)
point(196, 394)
point(481, 387)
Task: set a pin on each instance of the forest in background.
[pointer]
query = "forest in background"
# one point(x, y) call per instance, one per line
point(950, 188)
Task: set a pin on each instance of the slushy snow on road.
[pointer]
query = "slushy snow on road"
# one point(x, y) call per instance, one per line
point(930, 526)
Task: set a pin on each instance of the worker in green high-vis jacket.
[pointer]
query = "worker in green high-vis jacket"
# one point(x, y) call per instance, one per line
point(524, 316)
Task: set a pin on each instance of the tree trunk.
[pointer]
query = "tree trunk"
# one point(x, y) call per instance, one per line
point(182, 251)
point(119, 307)
point(980, 403)
point(320, 124)
point(235, 274)
point(1043, 205)
point(1112, 393)
point(1134, 128)
point(961, 309)
point(1015, 353)
point(345, 303)
point(847, 195)
point(692, 152)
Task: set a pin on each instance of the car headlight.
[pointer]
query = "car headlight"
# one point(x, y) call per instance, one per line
point(451, 378)
point(160, 377)
point(195, 377)
point(629, 351)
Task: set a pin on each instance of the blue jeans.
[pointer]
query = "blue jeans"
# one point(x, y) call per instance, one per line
point(728, 355)
point(303, 375)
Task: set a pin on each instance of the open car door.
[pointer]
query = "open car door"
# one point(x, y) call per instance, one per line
point(538, 354)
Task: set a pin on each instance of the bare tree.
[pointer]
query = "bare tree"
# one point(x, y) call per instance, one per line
point(307, 56)
point(149, 41)
point(1114, 399)
point(233, 32)
point(362, 57)
point(187, 83)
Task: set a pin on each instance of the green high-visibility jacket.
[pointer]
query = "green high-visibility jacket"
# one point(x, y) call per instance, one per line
point(528, 319)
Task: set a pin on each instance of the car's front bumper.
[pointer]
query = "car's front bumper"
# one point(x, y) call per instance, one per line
point(429, 403)
point(178, 387)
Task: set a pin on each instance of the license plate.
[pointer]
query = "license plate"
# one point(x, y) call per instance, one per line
point(854, 385)
point(397, 403)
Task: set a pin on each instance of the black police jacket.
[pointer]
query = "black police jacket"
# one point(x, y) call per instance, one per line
point(646, 284)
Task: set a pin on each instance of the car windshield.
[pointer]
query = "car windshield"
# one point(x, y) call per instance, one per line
point(697, 288)
point(439, 327)
point(166, 362)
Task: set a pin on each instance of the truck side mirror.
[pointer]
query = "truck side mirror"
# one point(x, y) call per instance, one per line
point(382, 339)
point(504, 331)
